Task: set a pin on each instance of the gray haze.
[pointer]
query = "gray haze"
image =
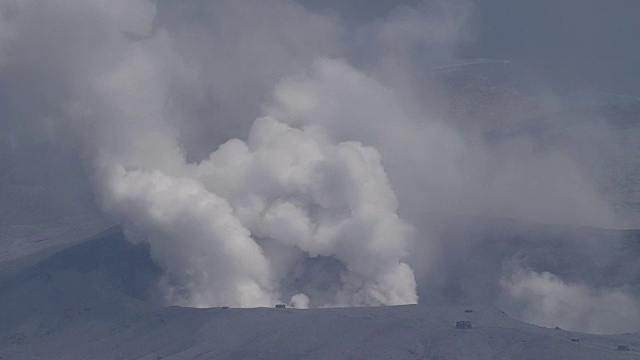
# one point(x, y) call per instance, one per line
point(249, 141)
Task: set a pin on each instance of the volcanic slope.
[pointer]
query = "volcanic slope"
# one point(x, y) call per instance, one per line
point(92, 300)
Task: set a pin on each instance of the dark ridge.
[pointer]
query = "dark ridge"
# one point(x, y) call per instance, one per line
point(108, 254)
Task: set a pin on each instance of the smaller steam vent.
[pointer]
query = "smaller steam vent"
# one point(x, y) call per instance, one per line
point(623, 347)
point(463, 324)
point(281, 306)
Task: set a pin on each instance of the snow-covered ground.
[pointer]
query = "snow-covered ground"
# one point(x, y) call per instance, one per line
point(18, 241)
point(88, 302)
point(403, 332)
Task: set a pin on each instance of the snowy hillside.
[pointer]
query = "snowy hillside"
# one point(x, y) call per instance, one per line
point(26, 240)
point(93, 301)
point(404, 332)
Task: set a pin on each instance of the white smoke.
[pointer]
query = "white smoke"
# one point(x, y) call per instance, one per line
point(544, 299)
point(210, 223)
point(302, 205)
point(432, 166)
point(229, 229)
point(295, 187)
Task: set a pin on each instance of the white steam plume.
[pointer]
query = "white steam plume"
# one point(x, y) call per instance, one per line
point(300, 208)
point(214, 225)
point(294, 187)
point(229, 229)
point(544, 299)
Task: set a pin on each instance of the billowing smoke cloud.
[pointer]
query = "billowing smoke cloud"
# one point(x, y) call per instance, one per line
point(230, 228)
point(544, 299)
point(319, 201)
point(510, 179)
point(236, 223)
